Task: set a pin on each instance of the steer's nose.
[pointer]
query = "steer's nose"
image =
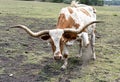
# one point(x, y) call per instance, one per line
point(58, 56)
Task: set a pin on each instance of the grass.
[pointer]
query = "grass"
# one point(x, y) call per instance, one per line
point(20, 50)
point(30, 9)
point(109, 10)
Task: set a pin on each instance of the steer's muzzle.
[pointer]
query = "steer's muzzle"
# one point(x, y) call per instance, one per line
point(58, 56)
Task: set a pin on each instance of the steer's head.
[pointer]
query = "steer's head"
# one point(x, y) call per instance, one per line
point(56, 37)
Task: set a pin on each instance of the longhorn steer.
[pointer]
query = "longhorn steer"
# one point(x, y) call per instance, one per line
point(57, 38)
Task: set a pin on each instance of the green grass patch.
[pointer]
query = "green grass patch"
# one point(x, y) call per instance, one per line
point(30, 8)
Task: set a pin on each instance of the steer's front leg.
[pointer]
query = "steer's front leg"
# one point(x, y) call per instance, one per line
point(64, 66)
point(65, 56)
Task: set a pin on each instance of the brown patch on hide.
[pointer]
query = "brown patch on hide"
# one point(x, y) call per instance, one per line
point(77, 25)
point(66, 23)
point(61, 22)
point(70, 10)
point(85, 11)
point(52, 45)
point(61, 44)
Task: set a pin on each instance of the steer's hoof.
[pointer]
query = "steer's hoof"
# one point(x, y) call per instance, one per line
point(93, 59)
point(78, 56)
point(63, 68)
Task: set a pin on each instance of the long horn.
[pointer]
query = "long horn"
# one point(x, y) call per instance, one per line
point(84, 27)
point(89, 25)
point(34, 34)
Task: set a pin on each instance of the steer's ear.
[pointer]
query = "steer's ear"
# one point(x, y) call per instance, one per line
point(70, 35)
point(45, 37)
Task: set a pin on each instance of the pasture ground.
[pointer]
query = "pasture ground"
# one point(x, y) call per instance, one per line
point(27, 59)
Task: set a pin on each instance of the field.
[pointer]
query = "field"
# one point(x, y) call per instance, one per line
point(27, 59)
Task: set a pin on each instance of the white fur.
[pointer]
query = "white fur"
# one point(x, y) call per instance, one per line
point(85, 38)
point(56, 35)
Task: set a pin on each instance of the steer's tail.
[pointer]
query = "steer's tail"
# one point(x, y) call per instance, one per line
point(74, 4)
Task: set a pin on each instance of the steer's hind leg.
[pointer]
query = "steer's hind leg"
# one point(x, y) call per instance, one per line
point(93, 45)
point(80, 48)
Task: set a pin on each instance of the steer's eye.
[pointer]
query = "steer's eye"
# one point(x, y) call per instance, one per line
point(66, 35)
point(45, 37)
point(70, 36)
